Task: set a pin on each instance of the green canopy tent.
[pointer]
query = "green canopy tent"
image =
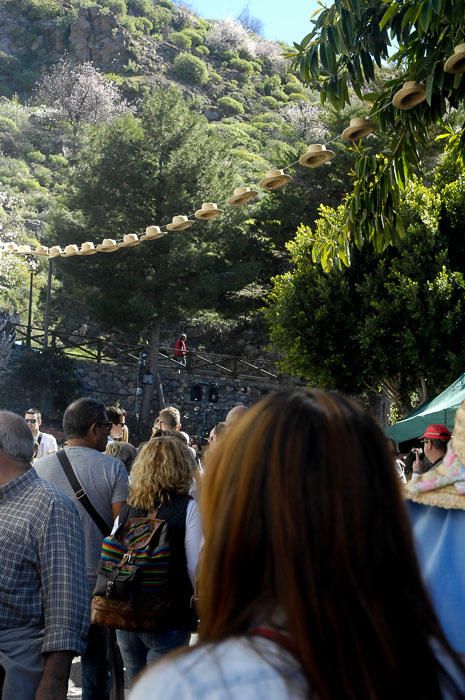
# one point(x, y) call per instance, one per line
point(440, 410)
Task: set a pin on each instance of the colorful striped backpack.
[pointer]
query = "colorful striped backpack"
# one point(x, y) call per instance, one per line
point(131, 592)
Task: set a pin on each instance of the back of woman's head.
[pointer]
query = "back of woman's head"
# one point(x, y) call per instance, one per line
point(304, 520)
point(162, 468)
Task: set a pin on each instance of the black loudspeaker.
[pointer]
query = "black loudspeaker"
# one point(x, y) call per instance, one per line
point(196, 393)
point(213, 394)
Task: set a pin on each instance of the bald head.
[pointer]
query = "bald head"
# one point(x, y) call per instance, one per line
point(236, 413)
point(16, 440)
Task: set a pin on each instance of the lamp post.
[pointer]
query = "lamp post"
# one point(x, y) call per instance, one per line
point(32, 266)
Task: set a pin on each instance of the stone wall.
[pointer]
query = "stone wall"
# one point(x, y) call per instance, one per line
point(113, 383)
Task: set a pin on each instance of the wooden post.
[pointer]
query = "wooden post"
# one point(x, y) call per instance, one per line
point(152, 365)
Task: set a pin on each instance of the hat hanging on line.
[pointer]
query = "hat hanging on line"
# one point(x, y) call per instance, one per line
point(24, 249)
point(456, 62)
point(108, 245)
point(241, 196)
point(55, 251)
point(70, 250)
point(409, 96)
point(151, 233)
point(87, 248)
point(179, 223)
point(316, 155)
point(274, 179)
point(209, 210)
point(10, 247)
point(358, 128)
point(41, 250)
point(130, 240)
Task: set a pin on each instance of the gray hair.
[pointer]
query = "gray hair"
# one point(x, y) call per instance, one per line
point(16, 440)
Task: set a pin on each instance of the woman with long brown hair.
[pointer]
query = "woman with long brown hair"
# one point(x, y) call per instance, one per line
point(309, 585)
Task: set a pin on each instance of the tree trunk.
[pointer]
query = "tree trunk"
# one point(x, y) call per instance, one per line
point(152, 365)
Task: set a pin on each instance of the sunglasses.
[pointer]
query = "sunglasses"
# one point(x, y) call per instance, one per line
point(31, 420)
point(107, 424)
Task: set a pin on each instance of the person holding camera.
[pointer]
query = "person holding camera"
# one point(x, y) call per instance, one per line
point(435, 439)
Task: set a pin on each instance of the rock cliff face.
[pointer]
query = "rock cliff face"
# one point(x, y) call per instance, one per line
point(93, 36)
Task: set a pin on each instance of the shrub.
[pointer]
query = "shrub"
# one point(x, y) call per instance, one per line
point(181, 40)
point(270, 102)
point(36, 157)
point(229, 106)
point(190, 69)
point(241, 65)
point(161, 19)
point(58, 161)
point(230, 54)
point(201, 50)
point(8, 126)
point(295, 97)
point(195, 36)
point(229, 35)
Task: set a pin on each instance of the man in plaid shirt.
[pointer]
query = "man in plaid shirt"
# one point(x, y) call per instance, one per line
point(44, 598)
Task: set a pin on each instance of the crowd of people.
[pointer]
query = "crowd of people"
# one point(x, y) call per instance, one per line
point(306, 566)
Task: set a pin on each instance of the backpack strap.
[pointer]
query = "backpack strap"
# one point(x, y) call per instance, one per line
point(80, 494)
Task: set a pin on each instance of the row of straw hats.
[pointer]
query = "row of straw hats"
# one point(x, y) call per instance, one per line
point(409, 96)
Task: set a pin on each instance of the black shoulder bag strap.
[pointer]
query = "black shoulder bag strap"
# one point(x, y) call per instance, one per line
point(80, 494)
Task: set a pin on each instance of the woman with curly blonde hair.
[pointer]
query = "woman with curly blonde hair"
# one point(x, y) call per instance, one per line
point(161, 478)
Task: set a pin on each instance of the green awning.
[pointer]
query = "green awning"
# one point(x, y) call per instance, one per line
point(440, 410)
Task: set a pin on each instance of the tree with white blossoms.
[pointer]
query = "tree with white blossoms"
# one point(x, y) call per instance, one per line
point(229, 35)
point(78, 93)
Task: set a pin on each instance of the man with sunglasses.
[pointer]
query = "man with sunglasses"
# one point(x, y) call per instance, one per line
point(104, 480)
point(46, 443)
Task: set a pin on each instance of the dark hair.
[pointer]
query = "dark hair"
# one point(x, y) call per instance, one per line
point(303, 516)
point(81, 414)
point(33, 410)
point(114, 413)
point(440, 445)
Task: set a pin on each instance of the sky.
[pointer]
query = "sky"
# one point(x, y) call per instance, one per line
point(284, 20)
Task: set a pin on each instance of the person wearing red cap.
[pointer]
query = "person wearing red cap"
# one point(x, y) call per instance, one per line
point(435, 439)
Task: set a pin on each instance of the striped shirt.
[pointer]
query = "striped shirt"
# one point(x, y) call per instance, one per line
point(42, 566)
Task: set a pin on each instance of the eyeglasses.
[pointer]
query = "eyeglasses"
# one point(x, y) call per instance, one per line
point(31, 420)
point(107, 424)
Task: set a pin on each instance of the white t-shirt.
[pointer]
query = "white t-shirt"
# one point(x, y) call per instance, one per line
point(47, 445)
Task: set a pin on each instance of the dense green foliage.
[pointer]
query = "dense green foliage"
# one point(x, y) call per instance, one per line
point(350, 39)
point(392, 322)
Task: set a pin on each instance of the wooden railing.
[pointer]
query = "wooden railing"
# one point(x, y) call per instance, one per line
point(101, 350)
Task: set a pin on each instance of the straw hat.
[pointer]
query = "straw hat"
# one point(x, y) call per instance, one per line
point(208, 211)
point(179, 223)
point(87, 248)
point(108, 245)
point(358, 128)
point(316, 156)
point(41, 250)
point(456, 62)
point(70, 250)
point(55, 251)
point(10, 248)
point(152, 232)
point(129, 240)
point(409, 96)
point(241, 196)
point(24, 249)
point(274, 179)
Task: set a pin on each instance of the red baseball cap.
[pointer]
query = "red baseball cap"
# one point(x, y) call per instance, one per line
point(437, 431)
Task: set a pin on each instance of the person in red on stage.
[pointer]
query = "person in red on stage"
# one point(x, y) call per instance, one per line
point(180, 349)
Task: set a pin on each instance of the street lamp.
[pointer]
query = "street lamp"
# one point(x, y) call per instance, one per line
point(32, 265)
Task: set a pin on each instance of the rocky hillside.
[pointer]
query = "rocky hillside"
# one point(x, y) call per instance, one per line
point(146, 42)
